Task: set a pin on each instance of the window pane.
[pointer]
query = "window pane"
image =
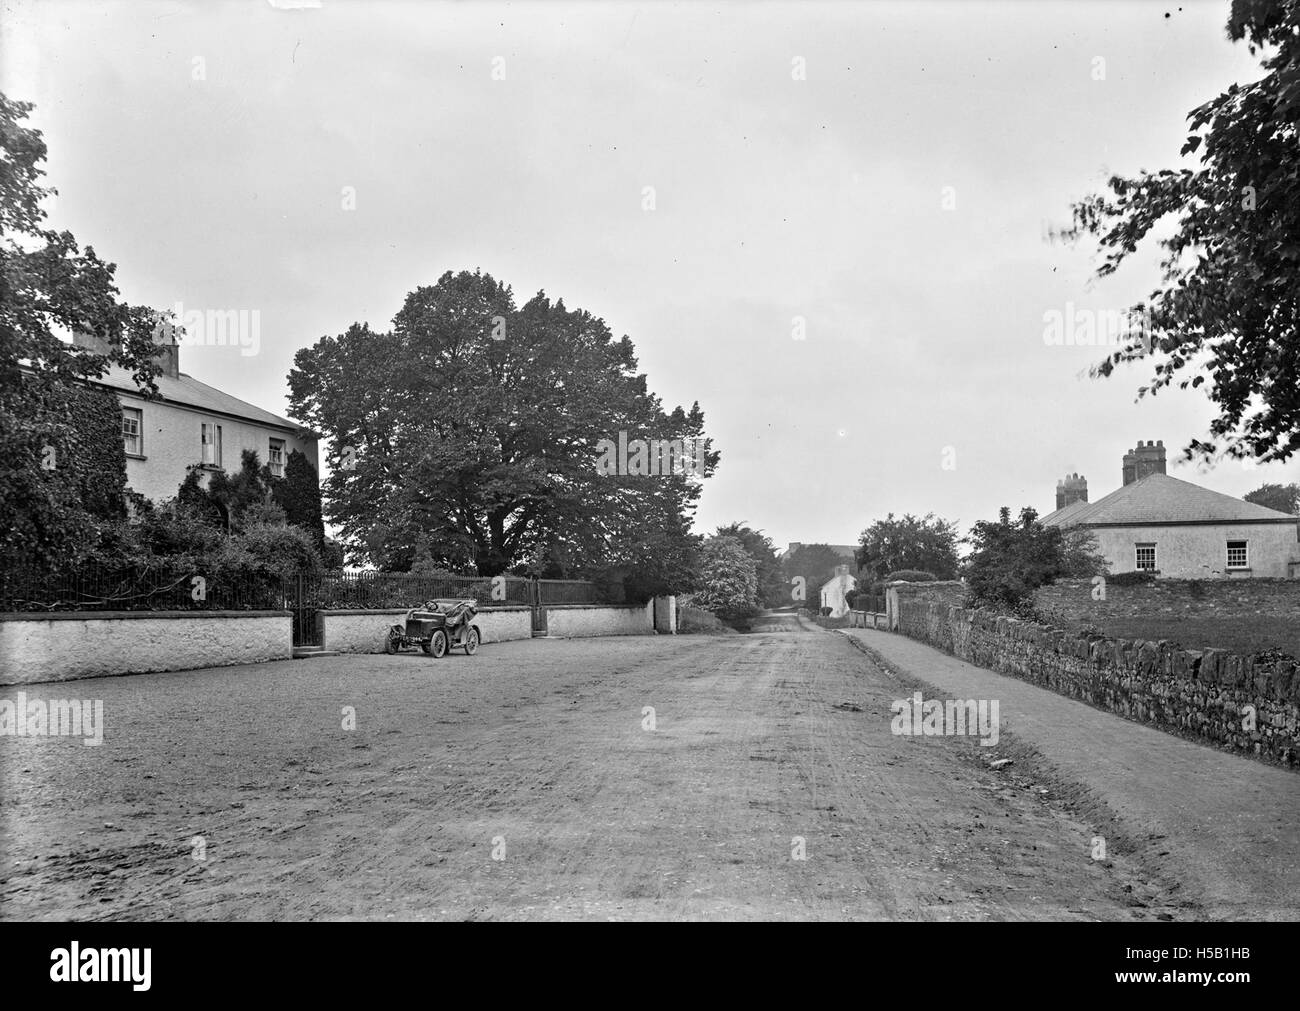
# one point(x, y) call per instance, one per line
point(131, 441)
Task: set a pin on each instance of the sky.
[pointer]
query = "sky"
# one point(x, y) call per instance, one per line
point(825, 222)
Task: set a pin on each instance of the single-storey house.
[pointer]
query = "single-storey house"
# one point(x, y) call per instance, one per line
point(1157, 523)
point(835, 591)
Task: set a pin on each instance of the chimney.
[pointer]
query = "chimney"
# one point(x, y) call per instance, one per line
point(91, 342)
point(164, 336)
point(169, 349)
point(1072, 488)
point(1143, 461)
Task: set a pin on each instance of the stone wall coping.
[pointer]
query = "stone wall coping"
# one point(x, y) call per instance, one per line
point(1162, 646)
point(357, 611)
point(606, 607)
point(128, 615)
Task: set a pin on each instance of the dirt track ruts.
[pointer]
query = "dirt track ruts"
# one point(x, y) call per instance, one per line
point(536, 752)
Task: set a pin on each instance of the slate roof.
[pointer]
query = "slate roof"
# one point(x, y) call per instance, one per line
point(188, 391)
point(1159, 498)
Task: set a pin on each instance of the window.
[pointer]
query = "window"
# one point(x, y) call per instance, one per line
point(275, 457)
point(132, 431)
point(1146, 557)
point(211, 445)
point(1237, 555)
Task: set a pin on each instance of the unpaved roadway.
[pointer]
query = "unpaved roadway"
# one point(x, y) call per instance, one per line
point(531, 782)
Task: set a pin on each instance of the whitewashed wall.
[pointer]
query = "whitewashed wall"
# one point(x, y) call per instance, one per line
point(59, 647)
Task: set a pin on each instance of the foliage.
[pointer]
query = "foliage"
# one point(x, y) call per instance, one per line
point(910, 576)
point(484, 451)
point(1009, 560)
point(927, 543)
point(266, 551)
point(233, 495)
point(1080, 554)
point(1228, 305)
point(48, 286)
point(773, 591)
point(62, 510)
point(728, 581)
point(1285, 498)
point(814, 564)
point(298, 494)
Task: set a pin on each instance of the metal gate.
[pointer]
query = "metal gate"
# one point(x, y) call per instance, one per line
point(303, 596)
point(539, 610)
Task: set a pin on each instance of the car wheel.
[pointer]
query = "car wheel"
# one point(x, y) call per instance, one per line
point(471, 642)
point(438, 645)
point(390, 644)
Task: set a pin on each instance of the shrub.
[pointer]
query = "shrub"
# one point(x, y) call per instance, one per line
point(1137, 578)
point(911, 576)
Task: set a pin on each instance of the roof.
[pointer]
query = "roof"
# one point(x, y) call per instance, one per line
point(840, 579)
point(187, 390)
point(1161, 499)
point(843, 550)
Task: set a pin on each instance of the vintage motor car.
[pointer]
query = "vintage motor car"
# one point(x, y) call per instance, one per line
point(437, 627)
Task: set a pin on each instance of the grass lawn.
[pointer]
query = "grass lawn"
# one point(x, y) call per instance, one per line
point(1237, 635)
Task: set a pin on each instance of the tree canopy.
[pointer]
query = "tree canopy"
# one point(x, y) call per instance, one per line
point(927, 543)
point(813, 564)
point(49, 290)
point(1226, 313)
point(1285, 498)
point(773, 590)
point(1010, 559)
point(470, 433)
point(728, 584)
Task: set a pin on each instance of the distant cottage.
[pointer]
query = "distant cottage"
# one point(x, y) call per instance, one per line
point(1159, 524)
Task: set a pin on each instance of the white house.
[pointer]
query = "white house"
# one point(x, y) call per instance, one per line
point(192, 424)
point(835, 589)
point(1158, 523)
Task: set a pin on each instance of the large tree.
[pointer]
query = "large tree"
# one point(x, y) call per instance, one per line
point(728, 583)
point(1227, 312)
point(471, 433)
point(805, 569)
point(1285, 498)
point(50, 289)
point(925, 543)
point(773, 590)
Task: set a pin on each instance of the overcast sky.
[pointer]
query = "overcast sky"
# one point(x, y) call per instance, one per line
point(207, 148)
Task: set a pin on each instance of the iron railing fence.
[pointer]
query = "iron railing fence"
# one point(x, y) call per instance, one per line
point(92, 587)
point(574, 591)
point(385, 590)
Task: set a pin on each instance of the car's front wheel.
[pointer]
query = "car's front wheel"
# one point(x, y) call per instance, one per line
point(438, 645)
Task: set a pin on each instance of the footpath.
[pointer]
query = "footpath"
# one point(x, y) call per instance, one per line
point(1228, 827)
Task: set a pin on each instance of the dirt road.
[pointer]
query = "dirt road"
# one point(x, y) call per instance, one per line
point(533, 781)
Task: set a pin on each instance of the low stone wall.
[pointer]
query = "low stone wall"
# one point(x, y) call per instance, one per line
point(365, 631)
point(575, 620)
point(1221, 598)
point(82, 644)
point(945, 591)
point(1220, 697)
